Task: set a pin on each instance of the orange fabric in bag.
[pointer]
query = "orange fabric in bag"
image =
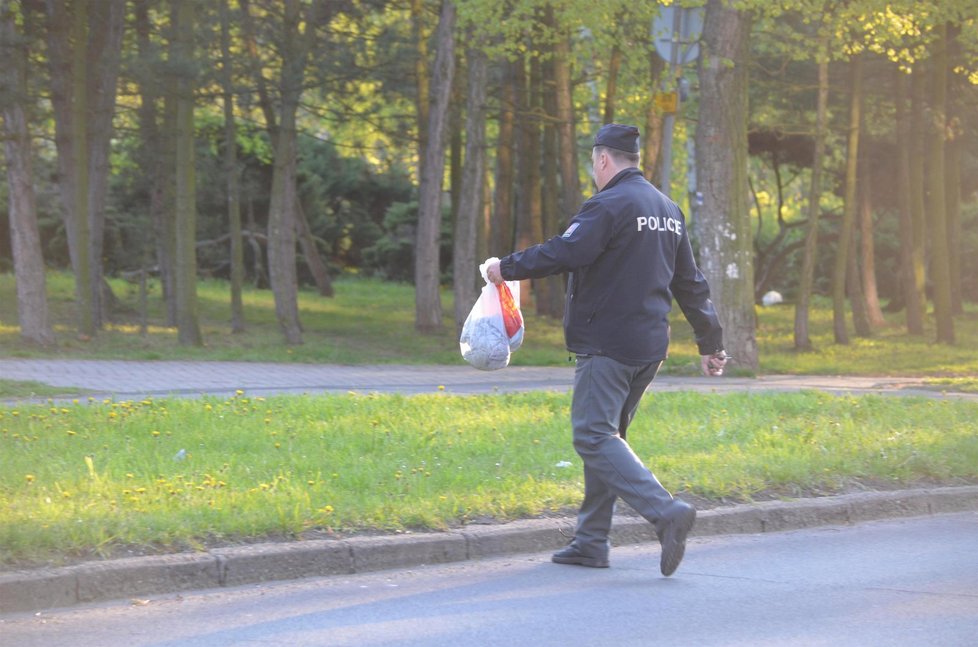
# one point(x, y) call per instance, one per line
point(512, 318)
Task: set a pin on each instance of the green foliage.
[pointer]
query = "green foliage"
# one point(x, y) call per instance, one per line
point(392, 255)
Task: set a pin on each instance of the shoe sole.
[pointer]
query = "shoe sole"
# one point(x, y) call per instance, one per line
point(673, 554)
point(590, 562)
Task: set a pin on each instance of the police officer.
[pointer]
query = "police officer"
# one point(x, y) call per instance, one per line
point(628, 255)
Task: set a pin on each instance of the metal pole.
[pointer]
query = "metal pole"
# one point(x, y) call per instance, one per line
point(665, 167)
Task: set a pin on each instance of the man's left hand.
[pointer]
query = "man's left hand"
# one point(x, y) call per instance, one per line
point(712, 365)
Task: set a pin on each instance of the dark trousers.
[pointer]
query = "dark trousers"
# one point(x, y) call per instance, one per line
point(606, 395)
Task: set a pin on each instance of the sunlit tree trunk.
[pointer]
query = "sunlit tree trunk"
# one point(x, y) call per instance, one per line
point(465, 264)
point(723, 224)
point(802, 338)
point(849, 212)
point(874, 312)
point(25, 238)
point(937, 206)
point(570, 183)
point(428, 310)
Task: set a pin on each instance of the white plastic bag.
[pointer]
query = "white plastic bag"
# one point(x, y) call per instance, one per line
point(489, 334)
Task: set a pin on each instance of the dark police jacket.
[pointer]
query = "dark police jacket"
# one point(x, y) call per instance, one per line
point(629, 255)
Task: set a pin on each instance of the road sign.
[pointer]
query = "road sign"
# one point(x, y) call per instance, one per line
point(676, 33)
point(667, 102)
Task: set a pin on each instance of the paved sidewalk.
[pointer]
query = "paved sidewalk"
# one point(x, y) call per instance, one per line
point(131, 379)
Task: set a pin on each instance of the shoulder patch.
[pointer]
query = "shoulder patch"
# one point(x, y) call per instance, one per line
point(570, 230)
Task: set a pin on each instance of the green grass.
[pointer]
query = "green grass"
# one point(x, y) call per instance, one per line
point(10, 389)
point(103, 477)
point(372, 322)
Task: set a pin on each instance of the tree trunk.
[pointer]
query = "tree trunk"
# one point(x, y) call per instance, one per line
point(188, 325)
point(911, 295)
point(314, 262)
point(611, 89)
point(529, 224)
point(232, 174)
point(723, 223)
point(952, 174)
point(918, 212)
point(937, 207)
point(570, 183)
point(281, 230)
point(551, 294)
point(153, 158)
point(428, 310)
point(501, 224)
point(867, 252)
point(84, 50)
point(952, 167)
point(653, 120)
point(803, 341)
point(854, 288)
point(464, 270)
point(167, 228)
point(422, 79)
point(106, 26)
point(25, 238)
point(69, 97)
point(849, 211)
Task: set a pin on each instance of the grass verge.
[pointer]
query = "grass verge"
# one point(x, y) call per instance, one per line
point(10, 389)
point(102, 478)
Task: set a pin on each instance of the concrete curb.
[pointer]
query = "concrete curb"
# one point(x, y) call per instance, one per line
point(142, 576)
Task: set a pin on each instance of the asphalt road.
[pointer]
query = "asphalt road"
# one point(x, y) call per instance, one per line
point(899, 582)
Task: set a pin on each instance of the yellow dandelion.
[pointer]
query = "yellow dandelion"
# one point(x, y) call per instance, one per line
point(441, 387)
point(328, 509)
point(70, 432)
point(155, 433)
point(29, 478)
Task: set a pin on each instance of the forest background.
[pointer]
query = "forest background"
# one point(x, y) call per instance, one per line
point(816, 147)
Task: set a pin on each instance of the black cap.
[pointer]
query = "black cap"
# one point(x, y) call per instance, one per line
point(623, 138)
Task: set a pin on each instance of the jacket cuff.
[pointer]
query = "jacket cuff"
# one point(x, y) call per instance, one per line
point(507, 267)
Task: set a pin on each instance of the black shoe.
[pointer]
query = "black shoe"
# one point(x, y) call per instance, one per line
point(674, 528)
point(571, 555)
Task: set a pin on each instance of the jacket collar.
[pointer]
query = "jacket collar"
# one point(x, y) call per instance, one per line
point(620, 175)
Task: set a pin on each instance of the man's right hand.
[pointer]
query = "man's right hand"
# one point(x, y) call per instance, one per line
point(493, 273)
